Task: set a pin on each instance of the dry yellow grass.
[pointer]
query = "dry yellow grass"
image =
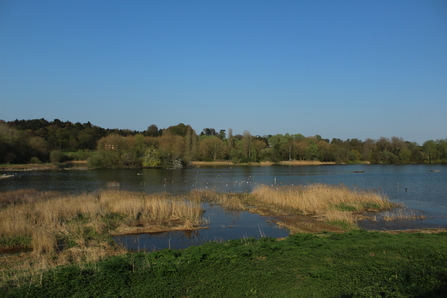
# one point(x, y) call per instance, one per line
point(226, 200)
point(45, 220)
point(25, 195)
point(401, 214)
point(155, 207)
point(330, 203)
point(229, 163)
point(326, 203)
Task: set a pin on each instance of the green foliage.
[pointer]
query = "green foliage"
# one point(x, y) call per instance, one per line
point(78, 155)
point(111, 220)
point(57, 156)
point(35, 160)
point(344, 207)
point(24, 241)
point(151, 158)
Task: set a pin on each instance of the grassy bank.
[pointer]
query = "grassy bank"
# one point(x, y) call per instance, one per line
point(356, 264)
point(28, 167)
point(306, 162)
point(262, 163)
point(228, 163)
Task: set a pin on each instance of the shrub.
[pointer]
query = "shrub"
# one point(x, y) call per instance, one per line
point(57, 156)
point(34, 160)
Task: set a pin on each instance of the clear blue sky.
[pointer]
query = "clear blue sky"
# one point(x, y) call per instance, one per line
point(340, 69)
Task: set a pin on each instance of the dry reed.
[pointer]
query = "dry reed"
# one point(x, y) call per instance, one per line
point(76, 228)
point(401, 214)
point(226, 200)
point(330, 203)
point(58, 214)
point(25, 195)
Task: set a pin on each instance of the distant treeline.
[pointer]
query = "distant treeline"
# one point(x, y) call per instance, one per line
point(38, 140)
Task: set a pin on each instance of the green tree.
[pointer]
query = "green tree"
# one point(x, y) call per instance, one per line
point(247, 146)
point(191, 145)
point(57, 156)
point(39, 148)
point(430, 150)
point(152, 131)
point(151, 158)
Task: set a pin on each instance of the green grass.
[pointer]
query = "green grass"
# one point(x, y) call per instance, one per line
point(346, 226)
point(355, 264)
point(16, 242)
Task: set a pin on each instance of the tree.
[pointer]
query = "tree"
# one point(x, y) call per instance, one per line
point(397, 144)
point(312, 151)
point(177, 130)
point(222, 134)
point(208, 132)
point(369, 147)
point(277, 143)
point(430, 150)
point(39, 148)
point(57, 156)
point(212, 147)
point(230, 141)
point(191, 146)
point(324, 151)
point(171, 148)
point(247, 145)
point(151, 158)
point(152, 131)
point(111, 150)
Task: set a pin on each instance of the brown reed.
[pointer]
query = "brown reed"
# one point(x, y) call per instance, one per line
point(74, 229)
point(331, 203)
point(228, 201)
point(401, 214)
point(25, 195)
point(47, 220)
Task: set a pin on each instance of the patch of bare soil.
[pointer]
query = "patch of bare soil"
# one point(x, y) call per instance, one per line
point(153, 227)
point(298, 223)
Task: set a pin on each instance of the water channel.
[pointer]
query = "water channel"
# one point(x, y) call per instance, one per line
point(422, 188)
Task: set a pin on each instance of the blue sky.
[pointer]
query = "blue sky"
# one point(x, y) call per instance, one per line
point(340, 69)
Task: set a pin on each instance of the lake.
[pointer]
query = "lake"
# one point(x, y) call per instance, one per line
point(422, 188)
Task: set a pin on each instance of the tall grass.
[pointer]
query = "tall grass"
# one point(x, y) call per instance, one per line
point(228, 201)
point(25, 195)
point(103, 212)
point(332, 203)
point(402, 214)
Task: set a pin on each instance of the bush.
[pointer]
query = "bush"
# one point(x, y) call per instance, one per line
point(35, 160)
point(57, 156)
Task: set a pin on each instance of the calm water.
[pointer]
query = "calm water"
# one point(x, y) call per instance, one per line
point(413, 185)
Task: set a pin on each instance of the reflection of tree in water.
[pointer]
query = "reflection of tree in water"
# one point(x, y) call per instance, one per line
point(189, 234)
point(179, 235)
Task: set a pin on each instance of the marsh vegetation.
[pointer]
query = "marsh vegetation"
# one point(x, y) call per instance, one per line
point(77, 229)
